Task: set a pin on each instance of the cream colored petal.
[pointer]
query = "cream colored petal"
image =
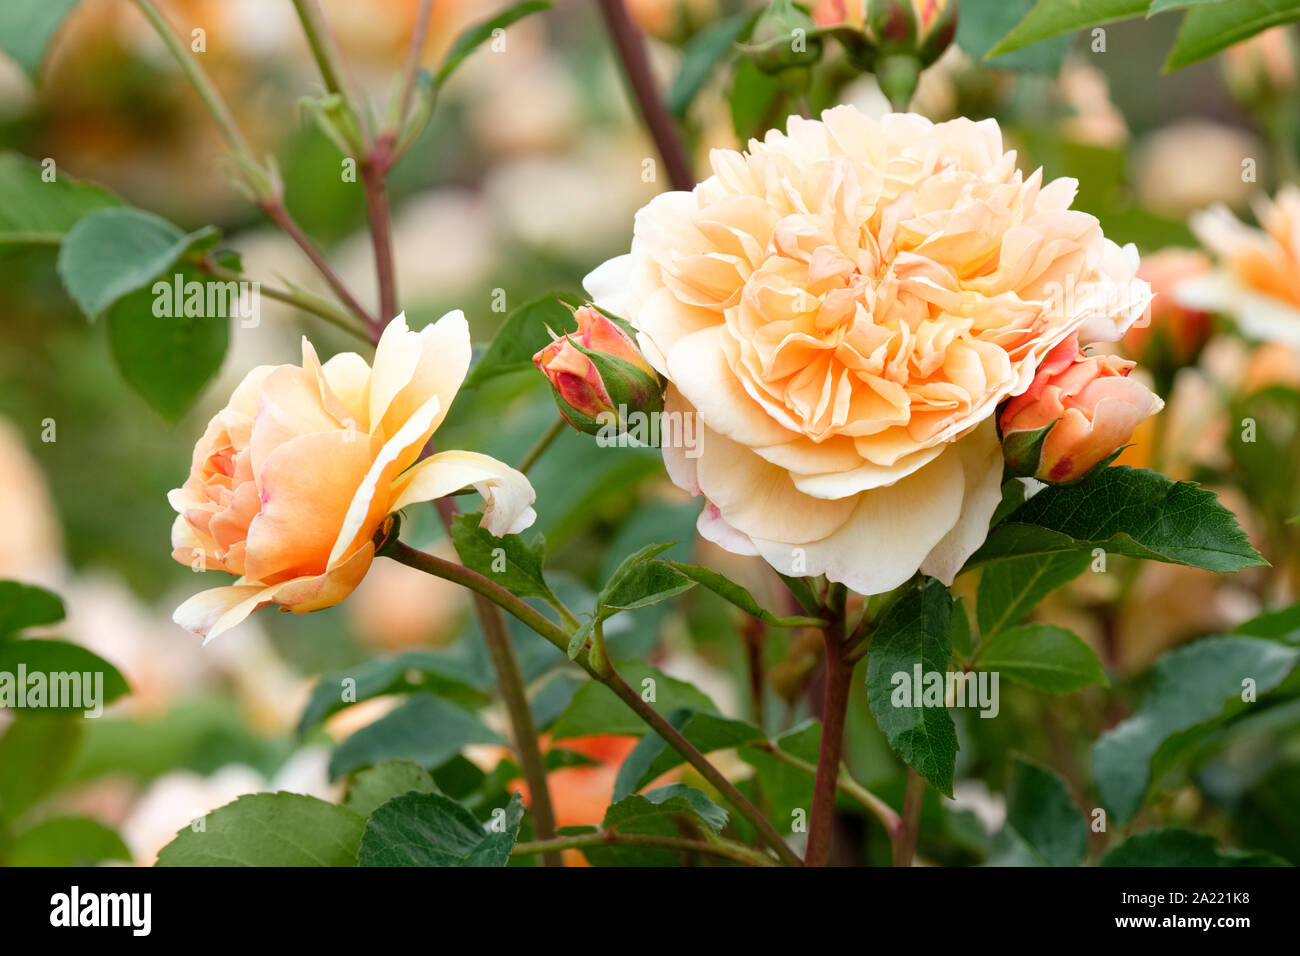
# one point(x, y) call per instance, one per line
point(981, 460)
point(888, 535)
point(213, 612)
point(507, 493)
point(760, 500)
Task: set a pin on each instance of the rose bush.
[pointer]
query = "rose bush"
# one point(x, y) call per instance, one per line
point(844, 306)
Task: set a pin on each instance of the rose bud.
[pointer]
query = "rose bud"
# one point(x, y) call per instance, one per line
point(597, 374)
point(1078, 412)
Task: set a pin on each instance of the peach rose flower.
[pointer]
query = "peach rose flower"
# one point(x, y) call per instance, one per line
point(293, 478)
point(1256, 284)
point(844, 307)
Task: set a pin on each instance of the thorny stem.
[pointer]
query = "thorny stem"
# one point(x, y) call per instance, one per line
point(515, 696)
point(412, 67)
point(431, 564)
point(839, 677)
point(910, 823)
point(277, 212)
point(198, 79)
point(374, 173)
point(266, 193)
point(726, 849)
point(636, 65)
point(317, 306)
point(322, 48)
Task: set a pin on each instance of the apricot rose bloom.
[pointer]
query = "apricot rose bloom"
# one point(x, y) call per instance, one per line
point(293, 478)
point(1091, 406)
point(844, 307)
point(1256, 282)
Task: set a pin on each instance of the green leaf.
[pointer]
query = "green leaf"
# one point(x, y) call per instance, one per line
point(1042, 656)
point(26, 605)
point(677, 799)
point(522, 574)
point(739, 596)
point(1043, 819)
point(269, 829)
point(167, 361)
point(35, 753)
point(428, 829)
point(755, 100)
point(1010, 589)
point(595, 710)
point(1282, 625)
point(1209, 28)
point(915, 631)
point(983, 23)
point(435, 673)
point(1174, 846)
point(961, 637)
point(480, 33)
point(660, 812)
point(1191, 686)
point(640, 581)
point(652, 756)
point(375, 786)
point(522, 336)
point(63, 667)
point(1051, 18)
point(111, 253)
point(1126, 511)
point(28, 26)
point(39, 212)
point(66, 841)
point(786, 788)
point(701, 56)
point(425, 729)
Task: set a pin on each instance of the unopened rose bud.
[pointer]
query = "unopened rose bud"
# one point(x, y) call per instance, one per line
point(597, 372)
point(1078, 412)
point(783, 42)
point(895, 39)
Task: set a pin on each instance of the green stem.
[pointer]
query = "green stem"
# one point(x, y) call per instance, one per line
point(198, 79)
point(558, 636)
point(321, 308)
point(514, 694)
point(725, 849)
point(322, 48)
point(402, 104)
point(543, 443)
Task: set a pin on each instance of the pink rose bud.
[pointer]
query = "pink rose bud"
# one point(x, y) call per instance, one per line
point(1077, 413)
point(597, 374)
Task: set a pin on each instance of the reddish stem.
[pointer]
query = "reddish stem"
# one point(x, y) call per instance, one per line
point(839, 679)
